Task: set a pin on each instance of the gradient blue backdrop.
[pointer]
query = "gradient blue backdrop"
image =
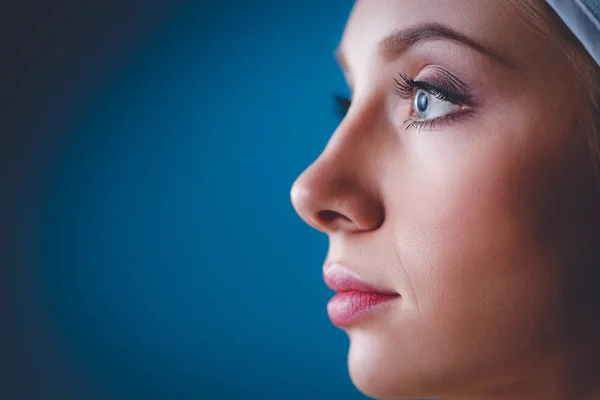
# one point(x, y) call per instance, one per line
point(165, 260)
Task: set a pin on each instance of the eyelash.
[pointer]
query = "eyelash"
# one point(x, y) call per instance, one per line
point(343, 104)
point(450, 90)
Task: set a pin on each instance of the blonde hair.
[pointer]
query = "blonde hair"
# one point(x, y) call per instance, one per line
point(542, 19)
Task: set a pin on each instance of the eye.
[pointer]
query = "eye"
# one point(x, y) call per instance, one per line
point(440, 99)
point(428, 106)
point(343, 104)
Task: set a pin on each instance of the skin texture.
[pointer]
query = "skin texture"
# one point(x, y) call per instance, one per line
point(486, 225)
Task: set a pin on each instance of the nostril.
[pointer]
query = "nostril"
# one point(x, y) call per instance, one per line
point(329, 216)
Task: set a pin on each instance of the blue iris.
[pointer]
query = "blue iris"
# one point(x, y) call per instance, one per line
point(422, 101)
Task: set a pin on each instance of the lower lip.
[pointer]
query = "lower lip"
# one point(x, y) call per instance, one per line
point(346, 308)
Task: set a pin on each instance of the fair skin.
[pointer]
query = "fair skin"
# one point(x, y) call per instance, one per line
point(484, 220)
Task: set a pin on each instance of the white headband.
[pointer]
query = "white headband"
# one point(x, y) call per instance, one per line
point(583, 18)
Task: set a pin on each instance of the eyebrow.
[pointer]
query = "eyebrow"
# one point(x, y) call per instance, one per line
point(399, 42)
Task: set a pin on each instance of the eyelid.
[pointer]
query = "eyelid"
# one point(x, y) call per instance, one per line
point(442, 84)
point(434, 123)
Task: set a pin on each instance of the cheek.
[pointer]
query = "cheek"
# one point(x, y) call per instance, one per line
point(483, 278)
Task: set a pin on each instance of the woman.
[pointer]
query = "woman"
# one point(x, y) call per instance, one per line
point(460, 197)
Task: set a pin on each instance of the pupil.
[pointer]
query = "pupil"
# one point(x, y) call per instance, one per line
point(422, 101)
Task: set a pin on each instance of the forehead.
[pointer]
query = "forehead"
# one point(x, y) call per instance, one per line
point(494, 24)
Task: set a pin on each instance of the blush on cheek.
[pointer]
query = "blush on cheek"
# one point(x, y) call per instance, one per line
point(484, 279)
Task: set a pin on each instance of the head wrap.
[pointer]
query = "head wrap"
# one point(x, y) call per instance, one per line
point(583, 19)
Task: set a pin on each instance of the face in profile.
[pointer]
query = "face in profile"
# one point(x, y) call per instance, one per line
point(459, 200)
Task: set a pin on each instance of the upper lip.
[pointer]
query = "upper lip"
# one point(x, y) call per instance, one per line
point(340, 279)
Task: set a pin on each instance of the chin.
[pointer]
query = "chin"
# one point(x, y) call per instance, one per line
point(380, 371)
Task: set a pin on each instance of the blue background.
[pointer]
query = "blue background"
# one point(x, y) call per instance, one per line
point(150, 148)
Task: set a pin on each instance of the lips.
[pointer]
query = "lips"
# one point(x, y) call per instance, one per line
point(355, 299)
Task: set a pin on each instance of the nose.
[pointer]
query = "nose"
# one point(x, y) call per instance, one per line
point(338, 192)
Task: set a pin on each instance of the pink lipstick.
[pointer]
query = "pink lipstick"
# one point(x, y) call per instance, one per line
point(355, 299)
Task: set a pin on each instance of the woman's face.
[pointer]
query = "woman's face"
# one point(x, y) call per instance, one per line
point(460, 180)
